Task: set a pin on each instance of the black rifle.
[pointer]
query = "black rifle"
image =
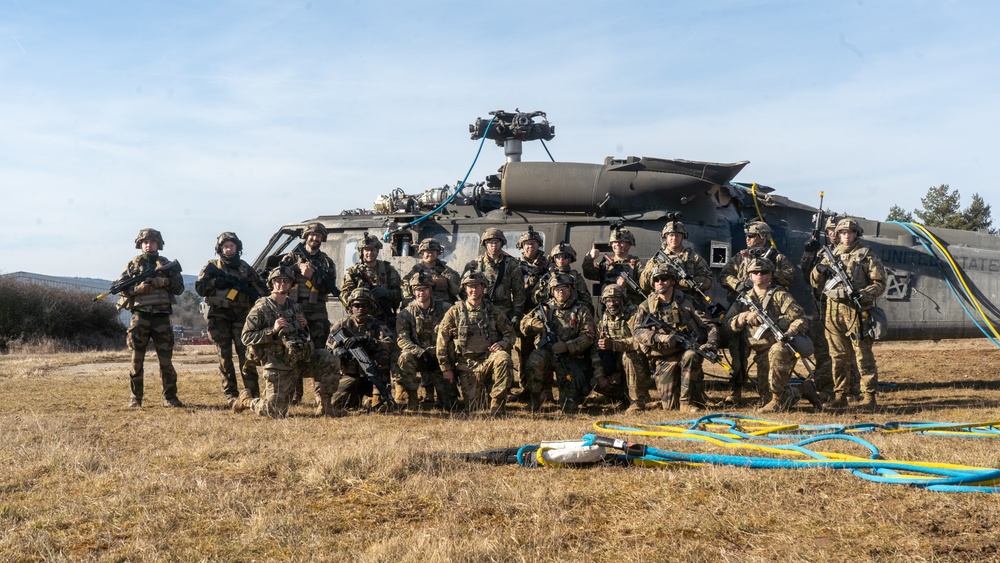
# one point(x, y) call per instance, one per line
point(367, 366)
point(687, 341)
point(384, 303)
point(838, 276)
point(767, 324)
point(172, 266)
point(608, 358)
point(236, 282)
point(714, 309)
point(327, 281)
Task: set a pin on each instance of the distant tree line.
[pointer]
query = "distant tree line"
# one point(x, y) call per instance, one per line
point(942, 208)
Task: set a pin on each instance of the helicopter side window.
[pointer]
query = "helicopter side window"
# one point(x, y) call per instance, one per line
point(720, 252)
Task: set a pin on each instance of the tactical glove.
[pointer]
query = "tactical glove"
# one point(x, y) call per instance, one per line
point(840, 294)
point(744, 285)
point(812, 245)
point(223, 283)
point(559, 348)
point(379, 292)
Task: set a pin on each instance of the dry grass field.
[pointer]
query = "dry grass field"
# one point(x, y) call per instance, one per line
point(83, 478)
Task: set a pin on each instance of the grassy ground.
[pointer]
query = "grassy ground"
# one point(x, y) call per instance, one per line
point(84, 478)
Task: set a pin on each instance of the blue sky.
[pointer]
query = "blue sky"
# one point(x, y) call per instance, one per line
point(200, 117)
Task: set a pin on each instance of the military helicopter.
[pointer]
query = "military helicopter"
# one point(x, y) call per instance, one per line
point(942, 283)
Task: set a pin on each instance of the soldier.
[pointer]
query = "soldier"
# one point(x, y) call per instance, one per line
point(151, 305)
point(378, 277)
point(674, 233)
point(561, 257)
point(617, 358)
point(823, 373)
point(473, 346)
point(446, 286)
point(564, 331)
point(735, 278)
point(677, 370)
point(314, 283)
point(505, 286)
point(849, 340)
point(416, 336)
point(774, 358)
point(277, 334)
point(230, 287)
point(613, 270)
point(534, 265)
point(364, 329)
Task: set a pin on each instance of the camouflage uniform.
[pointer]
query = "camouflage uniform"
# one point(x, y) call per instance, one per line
point(285, 357)
point(823, 372)
point(542, 293)
point(463, 346)
point(383, 281)
point(505, 285)
point(227, 312)
point(775, 360)
point(151, 305)
point(573, 324)
point(606, 269)
point(376, 340)
point(532, 271)
point(842, 320)
point(416, 331)
point(677, 371)
point(445, 281)
point(623, 365)
point(694, 266)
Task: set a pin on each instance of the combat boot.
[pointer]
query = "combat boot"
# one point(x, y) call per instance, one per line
point(839, 403)
point(635, 407)
point(535, 402)
point(733, 399)
point(688, 406)
point(765, 398)
point(242, 402)
point(869, 405)
point(134, 402)
point(498, 407)
point(413, 401)
point(173, 402)
point(774, 405)
point(808, 390)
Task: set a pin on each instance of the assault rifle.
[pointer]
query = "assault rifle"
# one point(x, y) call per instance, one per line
point(838, 276)
point(687, 341)
point(172, 266)
point(328, 283)
point(235, 282)
point(575, 376)
point(714, 309)
point(368, 366)
point(384, 303)
point(767, 324)
point(530, 270)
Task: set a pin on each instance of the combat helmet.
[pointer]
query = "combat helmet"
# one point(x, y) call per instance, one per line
point(530, 234)
point(831, 222)
point(315, 227)
point(279, 272)
point(850, 225)
point(360, 294)
point(673, 226)
point(429, 244)
point(563, 248)
point(228, 236)
point(493, 233)
point(420, 278)
point(759, 228)
point(610, 291)
point(474, 276)
point(761, 265)
point(369, 241)
point(622, 235)
point(660, 269)
point(151, 234)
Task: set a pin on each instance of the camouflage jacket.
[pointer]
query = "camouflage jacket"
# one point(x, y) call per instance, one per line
point(309, 292)
point(607, 269)
point(156, 300)
point(382, 275)
point(542, 293)
point(532, 271)
point(271, 349)
point(416, 328)
point(446, 282)
point(229, 302)
point(468, 332)
point(619, 328)
point(377, 342)
point(506, 293)
point(573, 324)
point(681, 314)
point(862, 266)
point(694, 266)
point(780, 307)
point(735, 271)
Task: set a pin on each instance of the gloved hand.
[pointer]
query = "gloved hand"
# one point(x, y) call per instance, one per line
point(143, 288)
point(223, 283)
point(686, 284)
point(750, 318)
point(744, 285)
point(379, 292)
point(812, 245)
point(666, 340)
point(823, 270)
point(344, 354)
point(708, 347)
point(350, 342)
point(559, 348)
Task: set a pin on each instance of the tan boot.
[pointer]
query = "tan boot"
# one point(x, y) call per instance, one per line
point(412, 401)
point(498, 407)
point(242, 402)
point(869, 405)
point(839, 403)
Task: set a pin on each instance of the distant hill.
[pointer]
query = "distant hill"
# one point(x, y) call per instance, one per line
point(83, 284)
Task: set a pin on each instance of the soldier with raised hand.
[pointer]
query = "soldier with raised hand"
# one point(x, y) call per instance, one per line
point(617, 360)
point(473, 346)
point(277, 334)
point(504, 284)
point(614, 269)
point(378, 277)
point(846, 313)
point(674, 234)
point(230, 287)
point(365, 329)
point(677, 370)
point(774, 358)
point(416, 336)
point(151, 303)
point(735, 274)
point(314, 283)
point(561, 258)
point(445, 282)
point(564, 331)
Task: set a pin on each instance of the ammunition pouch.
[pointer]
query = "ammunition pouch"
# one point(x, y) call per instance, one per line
point(877, 323)
point(297, 350)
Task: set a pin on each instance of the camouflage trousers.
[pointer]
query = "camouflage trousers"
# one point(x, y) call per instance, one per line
point(637, 378)
point(774, 368)
point(318, 321)
point(354, 386)
point(279, 382)
point(523, 347)
point(156, 327)
point(570, 375)
point(848, 353)
point(226, 334)
point(739, 352)
point(482, 379)
point(823, 372)
point(679, 379)
point(415, 372)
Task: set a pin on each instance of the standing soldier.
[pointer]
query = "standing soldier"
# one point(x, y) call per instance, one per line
point(473, 346)
point(735, 277)
point(823, 373)
point(278, 336)
point(445, 281)
point(378, 277)
point(677, 368)
point(151, 305)
point(362, 328)
point(505, 286)
point(616, 352)
point(534, 265)
point(314, 283)
point(416, 336)
point(561, 257)
point(695, 269)
point(614, 270)
point(230, 287)
point(775, 358)
point(847, 309)
point(564, 332)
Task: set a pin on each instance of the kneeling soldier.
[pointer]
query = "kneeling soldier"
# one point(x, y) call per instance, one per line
point(363, 328)
point(616, 353)
point(416, 330)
